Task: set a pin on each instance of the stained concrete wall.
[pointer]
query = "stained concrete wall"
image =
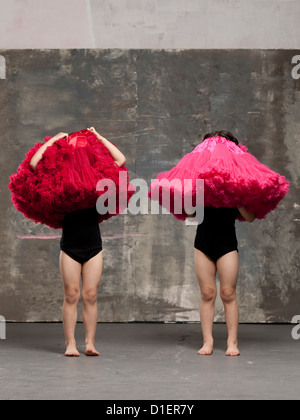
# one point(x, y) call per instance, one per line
point(159, 104)
point(155, 105)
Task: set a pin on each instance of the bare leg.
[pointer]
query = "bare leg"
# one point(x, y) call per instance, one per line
point(206, 275)
point(70, 272)
point(228, 267)
point(91, 277)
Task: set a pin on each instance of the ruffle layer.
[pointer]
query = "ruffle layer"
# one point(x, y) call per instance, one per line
point(232, 178)
point(65, 179)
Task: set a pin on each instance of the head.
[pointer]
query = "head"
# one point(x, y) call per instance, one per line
point(222, 133)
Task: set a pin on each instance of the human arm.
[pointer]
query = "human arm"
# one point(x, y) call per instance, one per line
point(39, 154)
point(250, 217)
point(117, 156)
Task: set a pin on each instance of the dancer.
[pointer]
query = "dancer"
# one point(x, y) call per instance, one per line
point(81, 256)
point(216, 250)
point(236, 186)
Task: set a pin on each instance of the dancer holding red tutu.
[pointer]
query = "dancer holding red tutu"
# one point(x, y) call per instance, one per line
point(81, 256)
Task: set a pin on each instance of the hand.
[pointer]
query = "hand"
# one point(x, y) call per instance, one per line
point(93, 130)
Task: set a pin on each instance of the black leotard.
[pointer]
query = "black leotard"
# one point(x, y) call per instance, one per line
point(216, 235)
point(81, 237)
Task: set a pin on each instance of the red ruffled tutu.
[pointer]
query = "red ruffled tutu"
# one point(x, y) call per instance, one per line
point(232, 178)
point(65, 179)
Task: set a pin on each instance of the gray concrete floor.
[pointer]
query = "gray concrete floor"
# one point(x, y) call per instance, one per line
point(149, 362)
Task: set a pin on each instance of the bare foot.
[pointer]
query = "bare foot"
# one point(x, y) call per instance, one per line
point(71, 350)
point(90, 350)
point(206, 350)
point(232, 350)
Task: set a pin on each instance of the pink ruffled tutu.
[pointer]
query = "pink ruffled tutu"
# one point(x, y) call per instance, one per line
point(232, 178)
point(65, 179)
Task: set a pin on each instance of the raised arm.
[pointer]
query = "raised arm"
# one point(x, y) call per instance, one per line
point(117, 156)
point(39, 154)
point(250, 217)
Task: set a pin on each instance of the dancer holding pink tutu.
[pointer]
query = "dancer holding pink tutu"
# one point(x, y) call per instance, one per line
point(236, 186)
point(216, 251)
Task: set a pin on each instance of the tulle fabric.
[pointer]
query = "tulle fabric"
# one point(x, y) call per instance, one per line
point(65, 179)
point(232, 178)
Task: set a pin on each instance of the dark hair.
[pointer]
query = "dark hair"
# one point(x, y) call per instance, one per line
point(222, 133)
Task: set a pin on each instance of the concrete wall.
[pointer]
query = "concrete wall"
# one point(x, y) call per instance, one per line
point(154, 105)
